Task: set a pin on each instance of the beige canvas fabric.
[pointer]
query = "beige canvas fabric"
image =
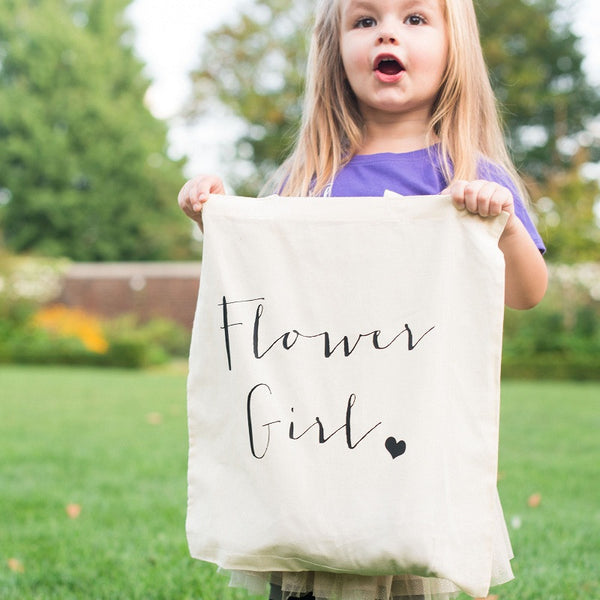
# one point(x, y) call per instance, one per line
point(344, 388)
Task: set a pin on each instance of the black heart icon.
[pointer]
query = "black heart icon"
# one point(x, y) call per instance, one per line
point(395, 448)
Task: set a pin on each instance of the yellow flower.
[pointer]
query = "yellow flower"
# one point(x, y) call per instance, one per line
point(72, 322)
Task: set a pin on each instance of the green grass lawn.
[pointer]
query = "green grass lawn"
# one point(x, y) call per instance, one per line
point(115, 443)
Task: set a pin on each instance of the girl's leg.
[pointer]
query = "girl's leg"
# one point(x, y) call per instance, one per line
point(277, 594)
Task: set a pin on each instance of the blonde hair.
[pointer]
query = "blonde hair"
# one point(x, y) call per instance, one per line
point(465, 118)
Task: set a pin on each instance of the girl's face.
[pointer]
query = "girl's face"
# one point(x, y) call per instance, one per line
point(394, 54)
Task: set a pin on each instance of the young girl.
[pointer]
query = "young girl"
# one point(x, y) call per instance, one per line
point(398, 98)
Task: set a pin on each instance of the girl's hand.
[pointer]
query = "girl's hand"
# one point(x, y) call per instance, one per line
point(485, 198)
point(526, 274)
point(195, 193)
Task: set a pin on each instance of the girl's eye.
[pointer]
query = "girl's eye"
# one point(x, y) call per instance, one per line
point(415, 20)
point(365, 22)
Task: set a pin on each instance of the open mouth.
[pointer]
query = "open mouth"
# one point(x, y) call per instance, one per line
point(388, 65)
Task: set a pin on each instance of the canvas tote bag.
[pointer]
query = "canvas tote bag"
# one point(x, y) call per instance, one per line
point(343, 391)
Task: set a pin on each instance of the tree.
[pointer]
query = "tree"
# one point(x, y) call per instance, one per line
point(84, 171)
point(566, 204)
point(536, 70)
point(255, 67)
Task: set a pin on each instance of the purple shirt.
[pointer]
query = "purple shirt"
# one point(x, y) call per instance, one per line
point(415, 174)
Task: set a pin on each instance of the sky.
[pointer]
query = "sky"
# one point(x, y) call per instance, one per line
point(169, 36)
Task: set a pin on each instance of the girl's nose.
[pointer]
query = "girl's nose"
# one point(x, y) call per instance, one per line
point(387, 38)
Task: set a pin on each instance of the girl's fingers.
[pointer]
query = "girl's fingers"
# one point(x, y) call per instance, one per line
point(196, 192)
point(477, 197)
point(497, 202)
point(485, 198)
point(457, 191)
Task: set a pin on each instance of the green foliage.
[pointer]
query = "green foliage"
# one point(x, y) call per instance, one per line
point(559, 339)
point(255, 67)
point(83, 167)
point(136, 347)
point(566, 208)
point(152, 342)
point(23, 343)
point(131, 351)
point(536, 70)
point(29, 280)
point(26, 345)
point(35, 331)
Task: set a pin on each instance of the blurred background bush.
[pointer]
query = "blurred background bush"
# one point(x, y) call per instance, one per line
point(560, 339)
point(33, 329)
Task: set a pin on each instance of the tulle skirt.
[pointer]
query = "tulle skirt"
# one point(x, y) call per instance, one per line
point(329, 586)
point(336, 586)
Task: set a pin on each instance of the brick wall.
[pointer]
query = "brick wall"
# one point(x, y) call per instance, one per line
point(147, 289)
